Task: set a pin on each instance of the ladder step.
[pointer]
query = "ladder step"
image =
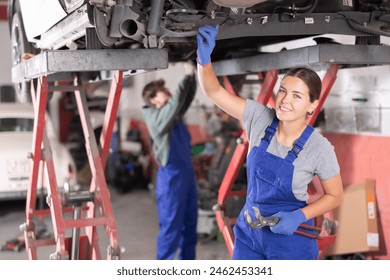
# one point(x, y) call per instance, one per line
point(85, 222)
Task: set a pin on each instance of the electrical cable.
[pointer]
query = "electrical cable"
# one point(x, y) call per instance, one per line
point(294, 16)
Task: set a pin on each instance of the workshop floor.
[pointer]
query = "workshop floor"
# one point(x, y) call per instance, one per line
point(136, 221)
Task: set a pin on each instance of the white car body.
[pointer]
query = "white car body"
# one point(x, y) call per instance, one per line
point(16, 142)
point(72, 28)
point(35, 26)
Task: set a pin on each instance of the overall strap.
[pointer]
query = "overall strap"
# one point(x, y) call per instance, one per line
point(269, 133)
point(299, 143)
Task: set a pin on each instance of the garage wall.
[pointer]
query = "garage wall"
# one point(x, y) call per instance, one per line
point(359, 101)
point(364, 157)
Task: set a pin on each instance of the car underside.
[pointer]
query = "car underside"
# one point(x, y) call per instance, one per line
point(245, 25)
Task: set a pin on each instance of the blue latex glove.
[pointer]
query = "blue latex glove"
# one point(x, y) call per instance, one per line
point(289, 222)
point(206, 43)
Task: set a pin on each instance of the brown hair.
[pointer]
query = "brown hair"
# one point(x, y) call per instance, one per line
point(151, 89)
point(310, 78)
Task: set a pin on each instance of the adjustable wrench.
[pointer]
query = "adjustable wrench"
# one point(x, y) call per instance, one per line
point(271, 221)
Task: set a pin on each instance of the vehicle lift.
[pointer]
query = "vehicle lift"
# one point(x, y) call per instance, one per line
point(91, 208)
point(316, 57)
point(47, 65)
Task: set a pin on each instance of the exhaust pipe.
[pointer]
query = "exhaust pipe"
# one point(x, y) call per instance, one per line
point(125, 22)
point(132, 29)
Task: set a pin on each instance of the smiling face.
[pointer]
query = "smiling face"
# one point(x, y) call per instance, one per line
point(293, 100)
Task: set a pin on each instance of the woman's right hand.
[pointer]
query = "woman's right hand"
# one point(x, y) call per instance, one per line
point(206, 43)
point(208, 81)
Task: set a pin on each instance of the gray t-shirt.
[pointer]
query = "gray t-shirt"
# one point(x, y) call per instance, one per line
point(316, 158)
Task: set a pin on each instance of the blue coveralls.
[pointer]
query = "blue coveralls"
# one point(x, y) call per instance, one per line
point(177, 199)
point(270, 189)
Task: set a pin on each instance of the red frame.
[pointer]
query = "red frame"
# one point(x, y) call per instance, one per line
point(98, 212)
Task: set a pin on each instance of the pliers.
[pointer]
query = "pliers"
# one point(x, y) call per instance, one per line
point(271, 221)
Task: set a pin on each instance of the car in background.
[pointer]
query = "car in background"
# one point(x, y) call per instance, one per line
point(246, 25)
point(16, 142)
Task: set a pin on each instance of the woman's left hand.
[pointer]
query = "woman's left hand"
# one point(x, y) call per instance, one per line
point(289, 222)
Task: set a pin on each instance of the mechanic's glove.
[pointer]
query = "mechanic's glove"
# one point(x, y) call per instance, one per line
point(289, 222)
point(206, 43)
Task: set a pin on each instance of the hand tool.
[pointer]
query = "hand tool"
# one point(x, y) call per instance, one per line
point(271, 221)
point(261, 221)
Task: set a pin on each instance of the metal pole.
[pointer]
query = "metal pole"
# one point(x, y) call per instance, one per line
point(76, 234)
point(155, 17)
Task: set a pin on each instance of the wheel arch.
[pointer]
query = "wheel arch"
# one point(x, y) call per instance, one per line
point(12, 7)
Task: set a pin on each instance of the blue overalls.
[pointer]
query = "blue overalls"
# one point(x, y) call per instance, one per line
point(270, 189)
point(177, 202)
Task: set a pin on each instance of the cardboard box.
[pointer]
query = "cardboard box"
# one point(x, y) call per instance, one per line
point(357, 218)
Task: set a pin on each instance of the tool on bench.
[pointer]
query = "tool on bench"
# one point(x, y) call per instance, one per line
point(271, 221)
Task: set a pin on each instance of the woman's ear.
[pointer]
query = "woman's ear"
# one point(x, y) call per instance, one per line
point(313, 106)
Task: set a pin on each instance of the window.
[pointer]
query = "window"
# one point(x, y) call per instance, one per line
point(16, 124)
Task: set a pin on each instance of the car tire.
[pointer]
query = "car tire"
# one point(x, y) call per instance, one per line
point(20, 46)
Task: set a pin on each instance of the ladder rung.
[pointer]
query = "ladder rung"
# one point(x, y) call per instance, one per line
point(85, 222)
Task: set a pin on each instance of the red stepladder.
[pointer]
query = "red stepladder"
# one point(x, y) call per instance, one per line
point(75, 214)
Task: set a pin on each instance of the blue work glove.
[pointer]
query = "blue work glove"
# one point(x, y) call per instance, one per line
point(206, 43)
point(289, 222)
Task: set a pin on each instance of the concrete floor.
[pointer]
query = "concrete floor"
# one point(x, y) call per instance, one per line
point(136, 221)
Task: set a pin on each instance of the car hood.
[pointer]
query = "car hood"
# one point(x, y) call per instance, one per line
point(14, 162)
point(14, 156)
point(15, 144)
point(35, 26)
